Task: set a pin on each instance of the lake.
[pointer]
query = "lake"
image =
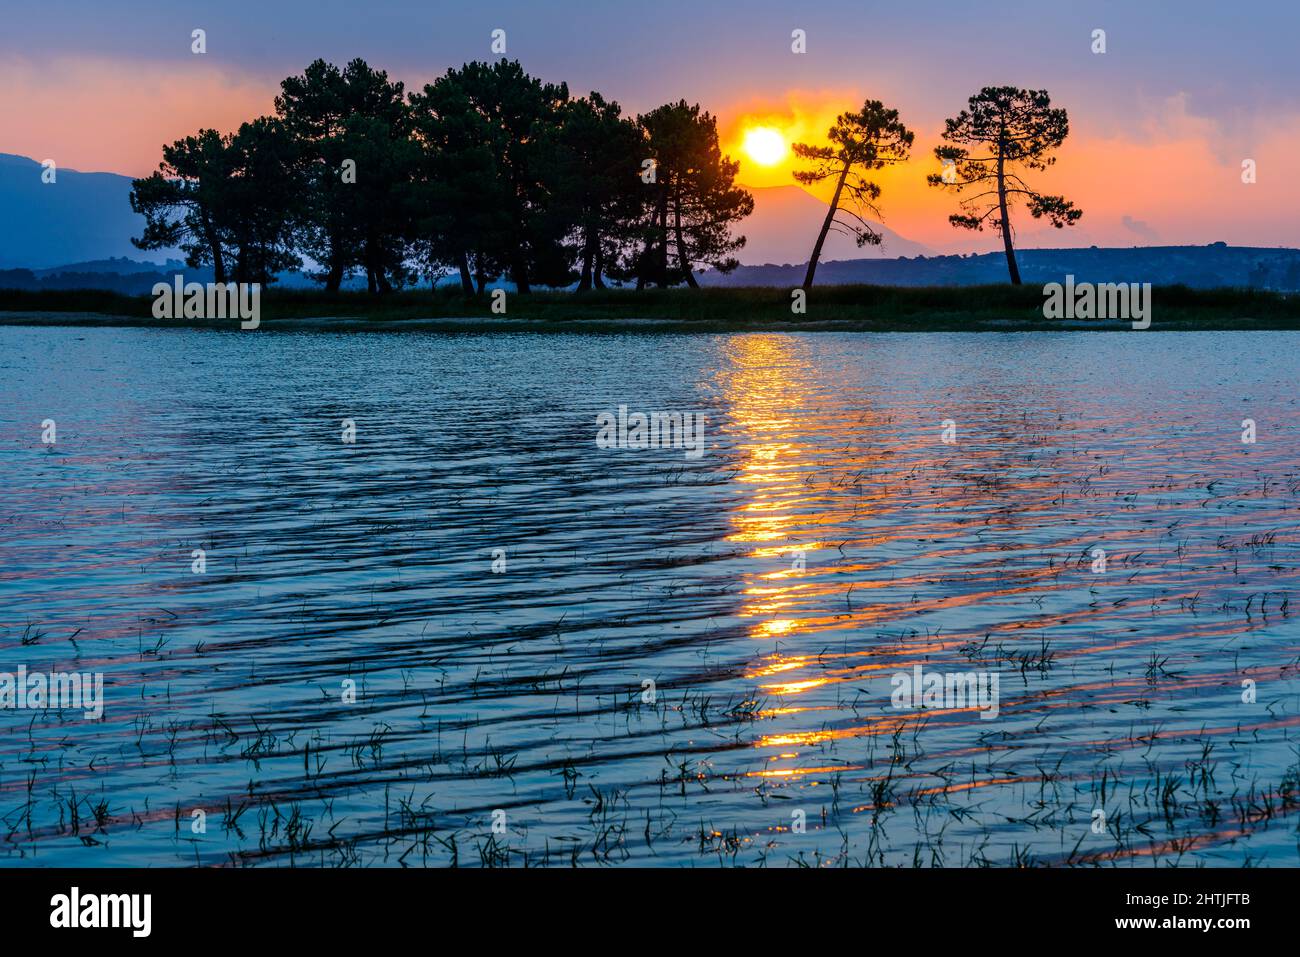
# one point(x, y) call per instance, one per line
point(914, 599)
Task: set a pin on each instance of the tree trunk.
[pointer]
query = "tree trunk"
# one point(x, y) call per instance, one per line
point(372, 274)
point(599, 268)
point(1006, 222)
point(826, 228)
point(661, 254)
point(337, 259)
point(519, 272)
point(588, 255)
point(518, 261)
point(682, 259)
point(218, 259)
point(642, 263)
point(466, 281)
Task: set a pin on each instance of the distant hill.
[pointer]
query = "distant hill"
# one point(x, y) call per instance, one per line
point(75, 234)
point(117, 266)
point(79, 218)
point(130, 284)
point(785, 223)
point(1201, 267)
point(135, 278)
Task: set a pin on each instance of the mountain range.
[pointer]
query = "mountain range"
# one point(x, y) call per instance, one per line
point(1201, 267)
point(77, 218)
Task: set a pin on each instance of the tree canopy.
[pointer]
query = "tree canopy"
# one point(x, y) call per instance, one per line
point(485, 172)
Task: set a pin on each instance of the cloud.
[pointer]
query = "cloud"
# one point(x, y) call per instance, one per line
point(1140, 229)
point(105, 115)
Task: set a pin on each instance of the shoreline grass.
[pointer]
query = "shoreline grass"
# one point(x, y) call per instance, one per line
point(865, 308)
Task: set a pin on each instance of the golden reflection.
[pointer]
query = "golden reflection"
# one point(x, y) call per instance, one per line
point(816, 479)
point(795, 687)
point(775, 627)
point(763, 386)
point(776, 666)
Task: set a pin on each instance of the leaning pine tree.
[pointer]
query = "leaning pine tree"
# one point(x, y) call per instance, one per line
point(1003, 132)
point(860, 142)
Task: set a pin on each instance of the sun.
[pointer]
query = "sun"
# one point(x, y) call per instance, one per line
point(764, 145)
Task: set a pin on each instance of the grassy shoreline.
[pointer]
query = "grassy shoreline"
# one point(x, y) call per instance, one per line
point(719, 309)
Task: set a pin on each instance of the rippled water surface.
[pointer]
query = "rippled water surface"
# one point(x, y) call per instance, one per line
point(635, 657)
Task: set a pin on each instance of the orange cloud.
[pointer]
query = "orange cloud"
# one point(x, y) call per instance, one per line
point(114, 116)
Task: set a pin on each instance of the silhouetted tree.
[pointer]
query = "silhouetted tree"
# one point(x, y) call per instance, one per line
point(353, 114)
point(224, 200)
point(257, 206)
point(597, 185)
point(693, 200)
point(486, 170)
point(182, 202)
point(495, 118)
point(1009, 129)
point(460, 210)
point(379, 210)
point(860, 142)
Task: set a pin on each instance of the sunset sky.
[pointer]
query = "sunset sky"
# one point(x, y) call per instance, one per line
point(1160, 123)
